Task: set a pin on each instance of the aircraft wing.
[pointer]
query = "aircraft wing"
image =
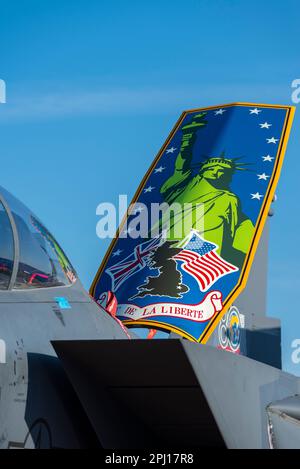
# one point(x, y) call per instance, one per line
point(175, 393)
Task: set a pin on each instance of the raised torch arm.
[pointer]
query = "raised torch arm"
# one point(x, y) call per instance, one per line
point(182, 170)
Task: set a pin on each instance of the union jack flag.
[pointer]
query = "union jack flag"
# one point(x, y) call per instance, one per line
point(133, 263)
point(199, 259)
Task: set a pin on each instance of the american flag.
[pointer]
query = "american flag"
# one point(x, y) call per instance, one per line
point(133, 263)
point(199, 259)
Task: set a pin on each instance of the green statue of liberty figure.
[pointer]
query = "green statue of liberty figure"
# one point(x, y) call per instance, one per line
point(220, 219)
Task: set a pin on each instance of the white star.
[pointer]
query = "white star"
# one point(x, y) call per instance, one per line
point(117, 253)
point(255, 111)
point(171, 150)
point(257, 196)
point(159, 170)
point(263, 176)
point(149, 189)
point(272, 140)
point(265, 125)
point(268, 158)
point(220, 112)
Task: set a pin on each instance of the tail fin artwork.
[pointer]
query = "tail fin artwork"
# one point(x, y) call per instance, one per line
point(214, 180)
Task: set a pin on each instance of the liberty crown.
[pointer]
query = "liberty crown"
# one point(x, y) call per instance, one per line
point(227, 163)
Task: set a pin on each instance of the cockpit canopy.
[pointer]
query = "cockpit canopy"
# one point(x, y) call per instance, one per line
point(30, 257)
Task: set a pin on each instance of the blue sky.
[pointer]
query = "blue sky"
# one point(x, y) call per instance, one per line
point(93, 89)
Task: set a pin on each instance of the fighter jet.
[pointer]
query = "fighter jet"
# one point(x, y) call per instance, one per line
point(82, 370)
point(41, 300)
